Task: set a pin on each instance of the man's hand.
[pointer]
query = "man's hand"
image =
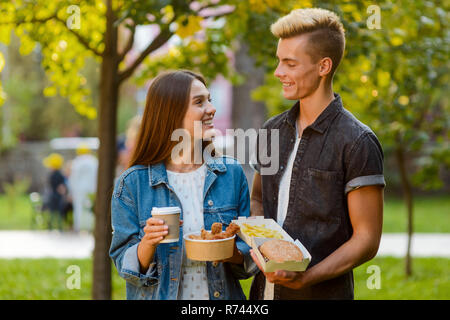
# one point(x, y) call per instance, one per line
point(289, 279)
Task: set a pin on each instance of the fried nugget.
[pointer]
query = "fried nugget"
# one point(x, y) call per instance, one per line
point(195, 237)
point(216, 228)
point(231, 230)
point(219, 236)
point(206, 235)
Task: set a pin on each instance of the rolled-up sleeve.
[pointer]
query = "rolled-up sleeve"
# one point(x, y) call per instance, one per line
point(125, 240)
point(364, 164)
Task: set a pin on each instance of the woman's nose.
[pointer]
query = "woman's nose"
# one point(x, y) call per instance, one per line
point(211, 109)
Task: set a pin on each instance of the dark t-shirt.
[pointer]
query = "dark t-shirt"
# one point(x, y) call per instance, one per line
point(56, 201)
point(336, 154)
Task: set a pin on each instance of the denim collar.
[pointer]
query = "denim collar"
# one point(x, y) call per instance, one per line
point(323, 120)
point(157, 173)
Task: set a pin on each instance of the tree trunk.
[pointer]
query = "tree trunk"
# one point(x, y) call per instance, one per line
point(408, 197)
point(247, 113)
point(109, 93)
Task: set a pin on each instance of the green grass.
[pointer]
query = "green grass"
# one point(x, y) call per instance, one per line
point(46, 279)
point(430, 279)
point(17, 217)
point(431, 214)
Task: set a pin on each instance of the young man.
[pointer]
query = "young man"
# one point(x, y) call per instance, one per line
point(328, 191)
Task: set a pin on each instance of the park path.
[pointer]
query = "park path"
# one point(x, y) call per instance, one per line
point(53, 244)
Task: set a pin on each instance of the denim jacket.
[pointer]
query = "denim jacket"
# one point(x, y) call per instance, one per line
point(140, 188)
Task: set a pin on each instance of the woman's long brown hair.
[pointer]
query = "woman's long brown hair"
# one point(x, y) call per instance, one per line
point(166, 105)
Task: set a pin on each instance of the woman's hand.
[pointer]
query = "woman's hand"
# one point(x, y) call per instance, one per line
point(155, 231)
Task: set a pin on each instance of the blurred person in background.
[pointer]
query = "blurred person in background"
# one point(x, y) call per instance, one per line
point(83, 185)
point(57, 196)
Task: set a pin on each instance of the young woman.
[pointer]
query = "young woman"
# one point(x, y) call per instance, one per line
point(211, 189)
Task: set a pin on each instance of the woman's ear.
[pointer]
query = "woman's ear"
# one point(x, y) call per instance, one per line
point(325, 66)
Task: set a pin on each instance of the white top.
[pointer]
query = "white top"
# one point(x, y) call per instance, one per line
point(188, 187)
point(283, 201)
point(285, 184)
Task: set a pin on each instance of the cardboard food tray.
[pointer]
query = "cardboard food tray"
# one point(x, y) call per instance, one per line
point(271, 266)
point(257, 221)
point(255, 242)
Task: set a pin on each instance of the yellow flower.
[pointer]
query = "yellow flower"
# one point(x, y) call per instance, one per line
point(168, 13)
point(396, 41)
point(403, 100)
point(2, 62)
point(174, 52)
point(91, 113)
point(258, 6)
point(383, 78)
point(49, 91)
point(273, 3)
point(188, 26)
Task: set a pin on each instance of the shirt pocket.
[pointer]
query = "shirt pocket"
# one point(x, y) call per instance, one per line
point(322, 194)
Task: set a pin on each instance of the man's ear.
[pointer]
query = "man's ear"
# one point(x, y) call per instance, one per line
point(325, 65)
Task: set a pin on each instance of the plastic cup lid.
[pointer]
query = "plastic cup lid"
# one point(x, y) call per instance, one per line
point(165, 210)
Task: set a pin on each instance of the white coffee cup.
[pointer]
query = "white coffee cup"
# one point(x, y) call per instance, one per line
point(171, 217)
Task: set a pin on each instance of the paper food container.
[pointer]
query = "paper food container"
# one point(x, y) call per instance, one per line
point(255, 242)
point(259, 221)
point(272, 266)
point(208, 250)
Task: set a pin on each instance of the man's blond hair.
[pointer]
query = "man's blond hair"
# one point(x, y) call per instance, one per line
point(325, 30)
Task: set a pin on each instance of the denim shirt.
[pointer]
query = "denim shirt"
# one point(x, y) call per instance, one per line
point(336, 155)
point(140, 188)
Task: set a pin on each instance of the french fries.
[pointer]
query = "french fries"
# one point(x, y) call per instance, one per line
point(260, 231)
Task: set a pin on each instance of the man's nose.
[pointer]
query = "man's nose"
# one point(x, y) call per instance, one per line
point(278, 71)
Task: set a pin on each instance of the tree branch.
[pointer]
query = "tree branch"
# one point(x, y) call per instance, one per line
point(217, 16)
point(212, 6)
point(34, 20)
point(82, 40)
point(160, 40)
point(129, 44)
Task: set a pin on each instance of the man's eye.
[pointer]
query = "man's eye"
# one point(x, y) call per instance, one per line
point(291, 65)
